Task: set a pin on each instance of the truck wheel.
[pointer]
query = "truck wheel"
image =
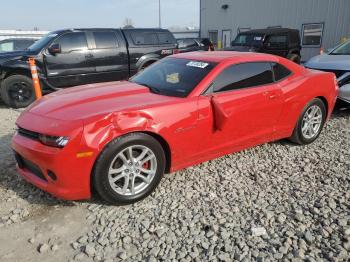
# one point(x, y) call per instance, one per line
point(295, 58)
point(17, 91)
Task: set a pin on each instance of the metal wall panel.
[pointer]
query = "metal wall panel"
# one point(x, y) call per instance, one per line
point(335, 14)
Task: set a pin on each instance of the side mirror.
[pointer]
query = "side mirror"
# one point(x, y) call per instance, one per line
point(54, 49)
point(220, 115)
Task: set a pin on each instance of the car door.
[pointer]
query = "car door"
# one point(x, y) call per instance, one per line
point(72, 64)
point(109, 55)
point(245, 105)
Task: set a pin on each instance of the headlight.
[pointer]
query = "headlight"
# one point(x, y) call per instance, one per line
point(54, 141)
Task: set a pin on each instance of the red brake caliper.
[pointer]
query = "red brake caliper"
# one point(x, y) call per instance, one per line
point(146, 165)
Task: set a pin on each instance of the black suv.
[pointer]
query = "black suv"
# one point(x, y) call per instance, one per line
point(283, 42)
point(81, 56)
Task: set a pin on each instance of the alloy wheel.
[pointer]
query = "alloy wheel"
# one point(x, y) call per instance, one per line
point(20, 91)
point(312, 122)
point(132, 170)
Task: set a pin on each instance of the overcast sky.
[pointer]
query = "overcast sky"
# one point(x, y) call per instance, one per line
point(57, 14)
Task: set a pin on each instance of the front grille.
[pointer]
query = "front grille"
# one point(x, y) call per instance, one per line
point(30, 166)
point(27, 133)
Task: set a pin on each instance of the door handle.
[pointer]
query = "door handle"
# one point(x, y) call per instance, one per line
point(273, 96)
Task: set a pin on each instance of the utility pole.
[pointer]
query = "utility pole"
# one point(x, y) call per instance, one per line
point(160, 20)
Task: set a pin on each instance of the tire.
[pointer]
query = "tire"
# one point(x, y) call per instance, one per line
point(294, 58)
point(117, 192)
point(303, 135)
point(17, 91)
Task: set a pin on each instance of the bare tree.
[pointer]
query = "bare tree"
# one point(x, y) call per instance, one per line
point(128, 23)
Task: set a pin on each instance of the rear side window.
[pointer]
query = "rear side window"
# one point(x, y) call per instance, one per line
point(72, 41)
point(105, 39)
point(23, 44)
point(243, 76)
point(277, 41)
point(280, 71)
point(6, 46)
point(165, 38)
point(144, 38)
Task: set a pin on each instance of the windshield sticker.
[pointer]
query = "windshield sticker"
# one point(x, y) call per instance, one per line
point(197, 64)
point(257, 38)
point(173, 78)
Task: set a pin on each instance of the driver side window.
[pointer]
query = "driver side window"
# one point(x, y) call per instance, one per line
point(72, 42)
point(243, 76)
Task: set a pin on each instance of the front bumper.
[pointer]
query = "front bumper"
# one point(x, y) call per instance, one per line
point(54, 170)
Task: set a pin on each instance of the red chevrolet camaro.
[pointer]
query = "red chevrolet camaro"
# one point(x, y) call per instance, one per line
point(121, 137)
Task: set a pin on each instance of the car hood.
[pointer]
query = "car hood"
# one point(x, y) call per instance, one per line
point(15, 55)
point(330, 62)
point(82, 102)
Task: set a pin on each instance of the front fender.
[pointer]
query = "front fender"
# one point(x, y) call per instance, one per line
point(19, 66)
point(98, 132)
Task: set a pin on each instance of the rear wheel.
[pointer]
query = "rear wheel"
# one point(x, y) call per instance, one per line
point(129, 168)
point(17, 91)
point(310, 122)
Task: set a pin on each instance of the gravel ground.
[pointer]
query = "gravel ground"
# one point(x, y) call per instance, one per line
point(273, 202)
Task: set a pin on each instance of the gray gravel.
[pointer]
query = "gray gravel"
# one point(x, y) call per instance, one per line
point(273, 202)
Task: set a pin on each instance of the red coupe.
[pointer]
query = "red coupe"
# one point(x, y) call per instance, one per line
point(120, 138)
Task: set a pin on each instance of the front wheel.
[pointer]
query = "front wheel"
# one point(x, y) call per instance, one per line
point(17, 91)
point(129, 168)
point(310, 122)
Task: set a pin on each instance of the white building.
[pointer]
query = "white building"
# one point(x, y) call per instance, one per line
point(5, 34)
point(322, 23)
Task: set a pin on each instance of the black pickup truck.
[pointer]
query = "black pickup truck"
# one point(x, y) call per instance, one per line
point(81, 56)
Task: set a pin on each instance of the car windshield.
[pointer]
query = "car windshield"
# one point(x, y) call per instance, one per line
point(42, 42)
point(173, 76)
point(248, 40)
point(343, 49)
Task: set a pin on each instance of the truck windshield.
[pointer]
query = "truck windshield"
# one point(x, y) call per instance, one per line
point(173, 76)
point(343, 49)
point(42, 42)
point(248, 40)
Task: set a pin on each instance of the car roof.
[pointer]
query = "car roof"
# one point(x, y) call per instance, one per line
point(266, 31)
point(221, 56)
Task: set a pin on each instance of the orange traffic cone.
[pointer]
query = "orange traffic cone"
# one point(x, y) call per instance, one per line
point(321, 51)
point(35, 77)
